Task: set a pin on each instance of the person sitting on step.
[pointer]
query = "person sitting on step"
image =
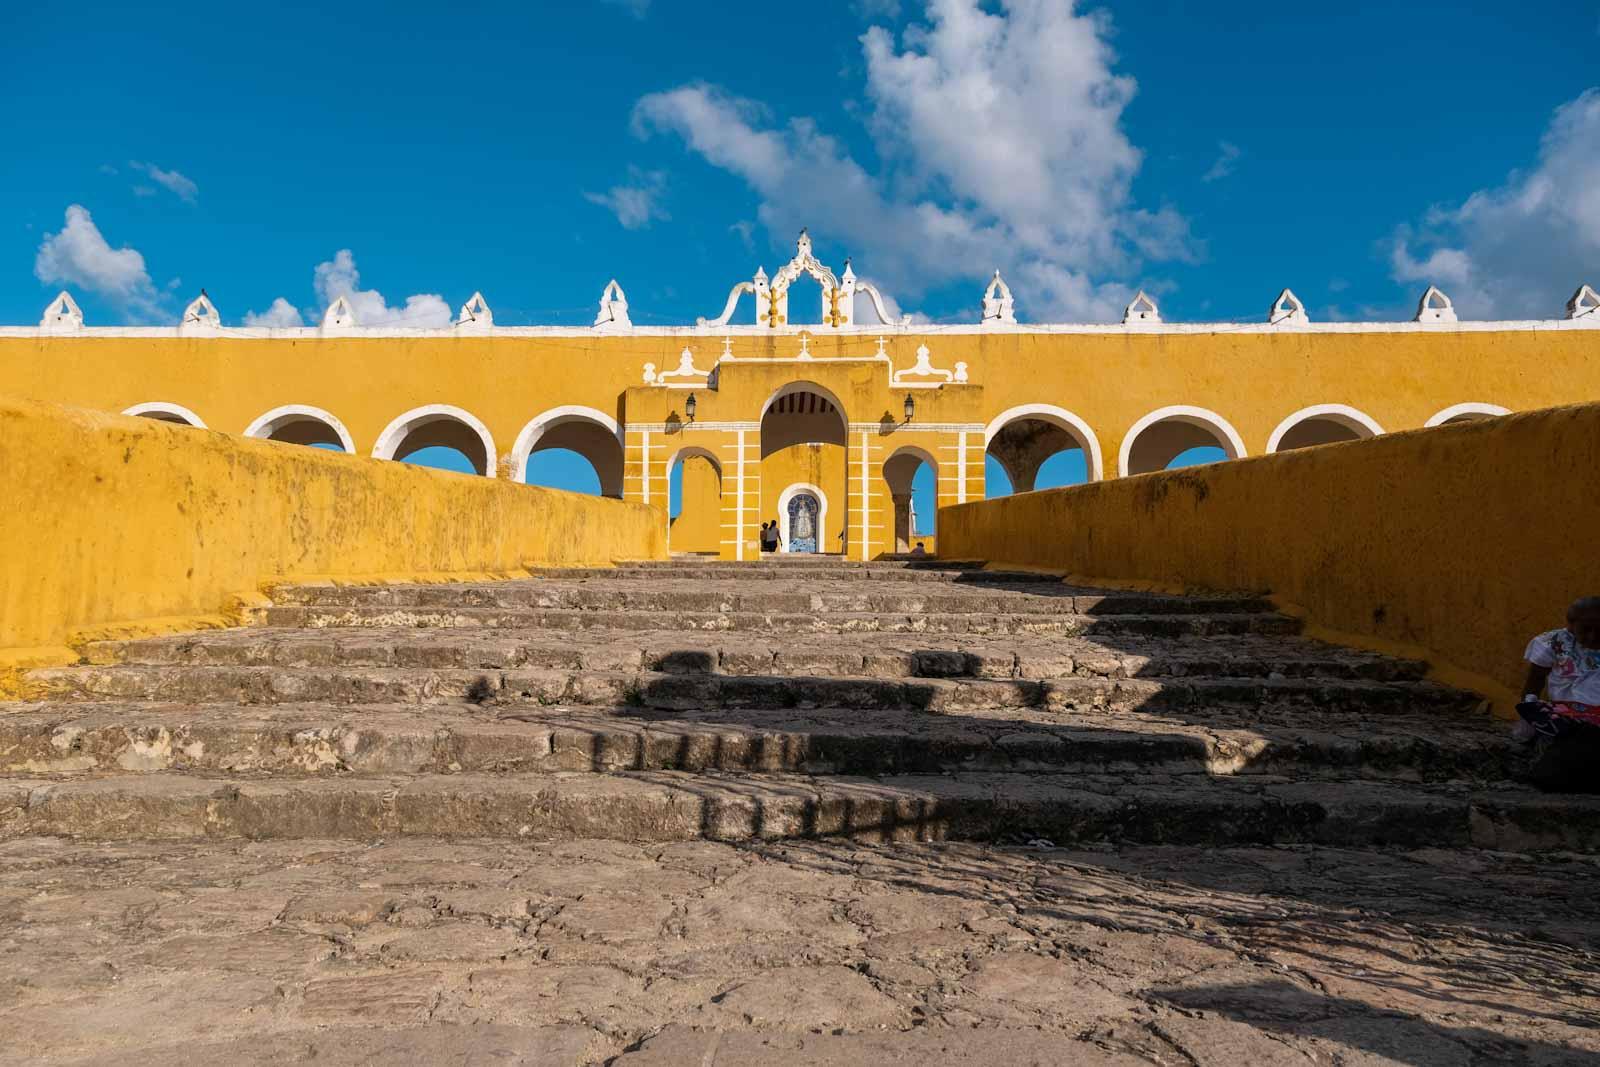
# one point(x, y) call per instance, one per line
point(1567, 663)
point(920, 550)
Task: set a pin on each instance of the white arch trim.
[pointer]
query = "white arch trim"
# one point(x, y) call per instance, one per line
point(160, 408)
point(528, 439)
point(277, 418)
point(688, 451)
point(395, 433)
point(1458, 410)
point(783, 513)
point(1060, 417)
point(1231, 442)
point(1357, 422)
point(805, 387)
point(913, 450)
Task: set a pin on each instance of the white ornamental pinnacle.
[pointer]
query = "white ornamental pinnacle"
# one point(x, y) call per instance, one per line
point(62, 315)
point(1585, 304)
point(475, 314)
point(613, 309)
point(1142, 310)
point(340, 315)
point(1435, 306)
point(1288, 309)
point(999, 309)
point(200, 316)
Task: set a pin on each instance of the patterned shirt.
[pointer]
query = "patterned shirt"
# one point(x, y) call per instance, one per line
point(1574, 670)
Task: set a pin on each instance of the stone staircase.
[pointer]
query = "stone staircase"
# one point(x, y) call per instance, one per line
point(892, 700)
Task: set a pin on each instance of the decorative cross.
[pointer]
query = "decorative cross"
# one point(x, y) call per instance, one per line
point(881, 343)
point(727, 348)
point(805, 346)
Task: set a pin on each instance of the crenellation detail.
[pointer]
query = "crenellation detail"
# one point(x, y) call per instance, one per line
point(1142, 311)
point(200, 317)
point(998, 305)
point(62, 315)
point(1435, 306)
point(1584, 304)
point(475, 314)
point(1288, 310)
point(613, 313)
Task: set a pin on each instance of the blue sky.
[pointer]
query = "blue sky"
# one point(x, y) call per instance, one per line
point(1212, 153)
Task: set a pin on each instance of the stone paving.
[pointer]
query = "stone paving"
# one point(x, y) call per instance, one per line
point(798, 812)
point(590, 952)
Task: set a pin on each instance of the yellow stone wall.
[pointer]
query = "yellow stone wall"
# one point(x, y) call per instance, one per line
point(1107, 379)
point(124, 523)
point(1462, 541)
point(698, 528)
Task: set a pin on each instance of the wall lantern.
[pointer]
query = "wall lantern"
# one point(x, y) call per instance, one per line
point(911, 407)
point(689, 406)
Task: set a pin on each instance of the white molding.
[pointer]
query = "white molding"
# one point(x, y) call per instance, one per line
point(1288, 309)
point(1457, 410)
point(783, 513)
point(613, 313)
point(272, 421)
point(200, 318)
point(62, 315)
point(161, 408)
point(1352, 419)
point(999, 308)
point(1075, 427)
point(528, 439)
point(1435, 307)
point(1231, 442)
point(395, 433)
point(1142, 310)
point(805, 387)
point(695, 377)
point(475, 315)
point(1588, 321)
point(924, 368)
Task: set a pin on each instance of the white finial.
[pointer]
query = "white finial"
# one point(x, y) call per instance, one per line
point(340, 315)
point(1288, 309)
point(998, 306)
point(649, 374)
point(1435, 307)
point(201, 314)
point(475, 313)
point(62, 315)
point(1141, 310)
point(1584, 303)
point(881, 348)
point(613, 308)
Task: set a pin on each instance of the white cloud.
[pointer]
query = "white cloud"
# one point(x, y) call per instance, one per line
point(339, 277)
point(635, 203)
point(80, 255)
point(1227, 156)
point(170, 180)
point(281, 313)
point(1001, 142)
point(1518, 250)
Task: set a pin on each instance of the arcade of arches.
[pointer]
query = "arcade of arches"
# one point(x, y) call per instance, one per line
point(822, 428)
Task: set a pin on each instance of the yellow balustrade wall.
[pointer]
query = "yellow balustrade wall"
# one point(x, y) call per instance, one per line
point(1458, 543)
point(115, 524)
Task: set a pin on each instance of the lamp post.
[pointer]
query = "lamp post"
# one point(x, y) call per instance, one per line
point(689, 406)
point(911, 406)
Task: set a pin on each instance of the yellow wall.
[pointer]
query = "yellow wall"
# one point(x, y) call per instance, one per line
point(110, 520)
point(698, 527)
point(1464, 541)
point(820, 465)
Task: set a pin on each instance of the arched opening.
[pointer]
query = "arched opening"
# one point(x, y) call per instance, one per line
point(298, 424)
point(803, 441)
point(1178, 436)
point(164, 412)
point(439, 436)
point(1459, 413)
point(1038, 446)
point(572, 447)
point(1324, 424)
point(912, 476)
point(694, 502)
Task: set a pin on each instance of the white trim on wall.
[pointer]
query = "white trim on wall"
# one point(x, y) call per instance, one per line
point(1455, 411)
point(1075, 427)
point(1231, 442)
point(161, 408)
point(395, 433)
point(277, 418)
point(1352, 419)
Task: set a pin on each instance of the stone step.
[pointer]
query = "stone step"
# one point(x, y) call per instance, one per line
point(714, 572)
point(822, 655)
point(656, 689)
point(301, 739)
point(670, 806)
point(729, 598)
point(1066, 625)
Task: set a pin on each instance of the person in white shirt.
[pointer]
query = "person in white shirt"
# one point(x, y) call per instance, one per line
point(1565, 664)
